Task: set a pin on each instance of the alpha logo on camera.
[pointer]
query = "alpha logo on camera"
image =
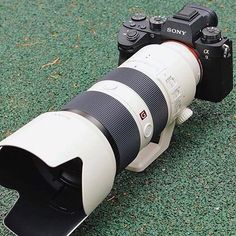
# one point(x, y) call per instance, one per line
point(176, 31)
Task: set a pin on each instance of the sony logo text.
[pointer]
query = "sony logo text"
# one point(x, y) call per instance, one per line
point(176, 31)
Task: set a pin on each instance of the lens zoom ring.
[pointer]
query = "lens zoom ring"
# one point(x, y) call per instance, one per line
point(148, 90)
point(115, 118)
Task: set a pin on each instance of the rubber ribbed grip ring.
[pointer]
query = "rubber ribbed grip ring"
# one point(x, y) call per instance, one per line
point(151, 94)
point(116, 120)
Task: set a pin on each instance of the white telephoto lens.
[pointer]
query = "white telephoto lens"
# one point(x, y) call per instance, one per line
point(63, 164)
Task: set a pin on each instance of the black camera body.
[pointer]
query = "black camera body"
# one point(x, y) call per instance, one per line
point(194, 26)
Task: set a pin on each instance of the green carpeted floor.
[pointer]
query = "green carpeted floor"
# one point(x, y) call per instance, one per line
point(190, 190)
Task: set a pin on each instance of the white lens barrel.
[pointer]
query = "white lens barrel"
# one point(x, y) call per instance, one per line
point(122, 103)
point(108, 126)
point(174, 68)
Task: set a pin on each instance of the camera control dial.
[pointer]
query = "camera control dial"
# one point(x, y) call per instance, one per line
point(138, 17)
point(156, 22)
point(211, 35)
point(132, 35)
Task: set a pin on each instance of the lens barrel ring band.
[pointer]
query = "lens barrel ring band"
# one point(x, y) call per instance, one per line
point(113, 119)
point(148, 90)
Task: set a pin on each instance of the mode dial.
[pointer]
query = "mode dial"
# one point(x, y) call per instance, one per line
point(211, 35)
point(156, 22)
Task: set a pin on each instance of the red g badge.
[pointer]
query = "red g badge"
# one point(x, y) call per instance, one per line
point(143, 115)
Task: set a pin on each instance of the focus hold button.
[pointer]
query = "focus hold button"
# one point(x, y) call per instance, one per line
point(132, 35)
point(211, 35)
point(148, 129)
point(138, 17)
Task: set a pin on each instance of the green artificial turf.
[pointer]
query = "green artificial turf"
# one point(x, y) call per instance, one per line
point(190, 189)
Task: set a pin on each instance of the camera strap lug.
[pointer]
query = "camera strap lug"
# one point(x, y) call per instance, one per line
point(226, 49)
